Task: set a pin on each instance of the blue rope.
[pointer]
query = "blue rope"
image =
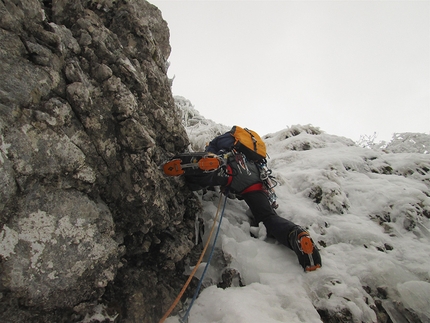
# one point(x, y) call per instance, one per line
point(184, 319)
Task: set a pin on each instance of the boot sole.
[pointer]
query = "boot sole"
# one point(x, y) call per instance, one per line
point(209, 163)
point(307, 247)
point(305, 243)
point(175, 167)
point(312, 268)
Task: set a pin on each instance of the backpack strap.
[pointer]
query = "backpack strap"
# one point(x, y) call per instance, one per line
point(254, 141)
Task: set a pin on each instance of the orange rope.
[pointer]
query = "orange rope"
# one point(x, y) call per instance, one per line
point(172, 307)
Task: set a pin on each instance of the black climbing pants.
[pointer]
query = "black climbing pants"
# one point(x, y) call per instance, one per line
point(257, 201)
point(262, 211)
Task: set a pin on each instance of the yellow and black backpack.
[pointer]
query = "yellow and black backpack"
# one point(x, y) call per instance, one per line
point(249, 143)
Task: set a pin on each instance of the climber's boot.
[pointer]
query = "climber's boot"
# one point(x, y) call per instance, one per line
point(305, 249)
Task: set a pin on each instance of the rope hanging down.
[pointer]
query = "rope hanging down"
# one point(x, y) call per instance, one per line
point(185, 318)
point(176, 301)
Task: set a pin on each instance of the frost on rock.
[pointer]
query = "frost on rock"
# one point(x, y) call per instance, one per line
point(200, 129)
point(416, 296)
point(408, 142)
point(368, 212)
point(301, 138)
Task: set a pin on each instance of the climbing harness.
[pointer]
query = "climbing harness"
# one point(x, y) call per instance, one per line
point(269, 183)
point(176, 301)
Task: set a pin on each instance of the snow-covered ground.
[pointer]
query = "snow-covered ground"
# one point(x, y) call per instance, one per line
point(368, 210)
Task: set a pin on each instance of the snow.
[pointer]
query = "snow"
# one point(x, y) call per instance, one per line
point(416, 295)
point(367, 209)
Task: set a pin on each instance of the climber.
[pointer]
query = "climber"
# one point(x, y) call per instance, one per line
point(240, 174)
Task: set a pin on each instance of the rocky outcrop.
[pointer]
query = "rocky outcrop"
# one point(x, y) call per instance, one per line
point(86, 116)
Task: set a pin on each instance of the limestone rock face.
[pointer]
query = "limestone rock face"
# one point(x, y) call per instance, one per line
point(87, 220)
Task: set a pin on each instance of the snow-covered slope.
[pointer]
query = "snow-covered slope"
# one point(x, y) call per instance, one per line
point(367, 209)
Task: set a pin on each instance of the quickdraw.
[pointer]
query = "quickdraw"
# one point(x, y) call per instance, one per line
point(241, 162)
point(269, 183)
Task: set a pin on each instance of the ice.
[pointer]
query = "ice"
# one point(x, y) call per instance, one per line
point(367, 209)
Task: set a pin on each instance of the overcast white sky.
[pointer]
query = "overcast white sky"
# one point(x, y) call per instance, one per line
point(349, 67)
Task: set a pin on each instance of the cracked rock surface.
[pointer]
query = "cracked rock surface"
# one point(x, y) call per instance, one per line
point(87, 220)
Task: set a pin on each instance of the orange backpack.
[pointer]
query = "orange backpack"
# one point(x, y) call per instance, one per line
point(249, 143)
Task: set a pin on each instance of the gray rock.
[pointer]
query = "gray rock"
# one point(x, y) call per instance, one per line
point(87, 220)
